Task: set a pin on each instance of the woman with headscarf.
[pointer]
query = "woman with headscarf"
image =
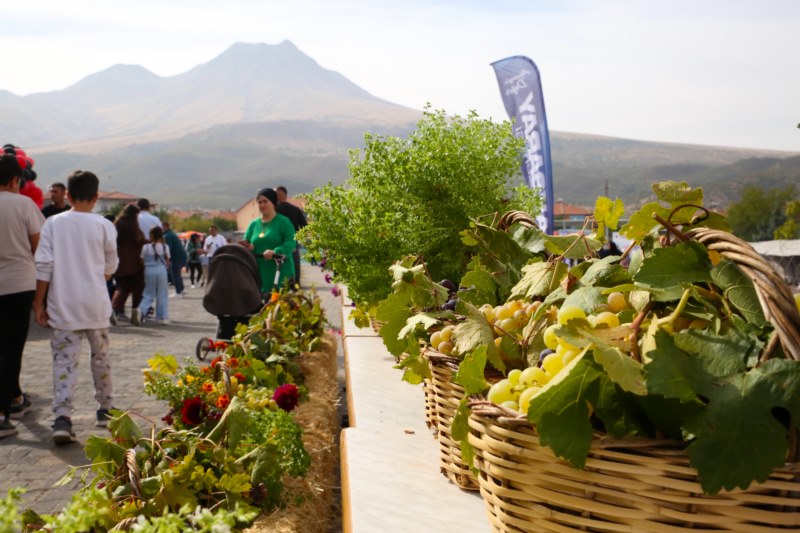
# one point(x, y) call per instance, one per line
point(268, 235)
point(20, 226)
point(129, 276)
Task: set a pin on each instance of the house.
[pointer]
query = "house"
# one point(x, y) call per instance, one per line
point(569, 218)
point(107, 200)
point(249, 211)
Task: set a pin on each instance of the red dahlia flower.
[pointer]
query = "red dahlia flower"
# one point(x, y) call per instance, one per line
point(286, 396)
point(241, 378)
point(193, 411)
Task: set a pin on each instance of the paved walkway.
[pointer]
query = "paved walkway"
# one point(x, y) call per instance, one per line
point(31, 461)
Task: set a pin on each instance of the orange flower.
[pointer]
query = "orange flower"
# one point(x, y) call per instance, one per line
point(233, 362)
point(208, 386)
point(223, 401)
point(275, 297)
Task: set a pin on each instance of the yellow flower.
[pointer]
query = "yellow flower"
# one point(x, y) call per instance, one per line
point(179, 383)
point(189, 378)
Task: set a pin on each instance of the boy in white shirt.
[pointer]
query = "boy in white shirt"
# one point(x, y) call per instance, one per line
point(77, 253)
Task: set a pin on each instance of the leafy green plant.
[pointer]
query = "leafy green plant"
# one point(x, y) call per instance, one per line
point(411, 196)
point(679, 356)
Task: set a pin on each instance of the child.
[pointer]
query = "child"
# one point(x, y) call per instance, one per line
point(77, 254)
point(156, 261)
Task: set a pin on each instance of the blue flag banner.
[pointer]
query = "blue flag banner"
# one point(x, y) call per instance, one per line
point(521, 89)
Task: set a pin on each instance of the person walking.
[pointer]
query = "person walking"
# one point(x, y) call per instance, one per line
point(194, 249)
point(155, 255)
point(147, 220)
point(129, 276)
point(178, 257)
point(298, 220)
point(58, 200)
point(213, 241)
point(77, 253)
point(20, 227)
point(268, 235)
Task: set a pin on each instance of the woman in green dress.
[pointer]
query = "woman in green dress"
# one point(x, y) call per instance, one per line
point(270, 234)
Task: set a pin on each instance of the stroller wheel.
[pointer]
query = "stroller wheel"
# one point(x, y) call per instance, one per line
point(204, 346)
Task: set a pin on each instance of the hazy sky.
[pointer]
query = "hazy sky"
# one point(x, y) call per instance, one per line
point(719, 72)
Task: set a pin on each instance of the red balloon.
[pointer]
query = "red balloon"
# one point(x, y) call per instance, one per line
point(20, 151)
point(21, 160)
point(29, 161)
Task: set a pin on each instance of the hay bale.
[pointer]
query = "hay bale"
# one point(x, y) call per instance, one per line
point(318, 417)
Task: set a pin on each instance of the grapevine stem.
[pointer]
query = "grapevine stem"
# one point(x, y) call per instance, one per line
point(635, 335)
point(678, 309)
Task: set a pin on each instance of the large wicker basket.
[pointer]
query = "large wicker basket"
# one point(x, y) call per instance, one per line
point(636, 485)
point(446, 396)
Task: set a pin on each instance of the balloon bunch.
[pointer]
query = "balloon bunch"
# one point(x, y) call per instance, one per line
point(27, 185)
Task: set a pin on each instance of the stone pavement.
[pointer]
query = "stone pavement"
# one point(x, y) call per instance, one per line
point(31, 461)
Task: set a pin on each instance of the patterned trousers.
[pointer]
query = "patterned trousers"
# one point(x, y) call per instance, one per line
point(66, 347)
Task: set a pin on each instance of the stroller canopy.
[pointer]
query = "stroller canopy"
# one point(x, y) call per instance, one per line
point(233, 286)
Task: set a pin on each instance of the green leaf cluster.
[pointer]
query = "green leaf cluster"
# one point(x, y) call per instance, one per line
point(412, 196)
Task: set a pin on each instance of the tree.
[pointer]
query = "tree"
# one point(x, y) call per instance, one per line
point(412, 196)
point(759, 213)
point(791, 228)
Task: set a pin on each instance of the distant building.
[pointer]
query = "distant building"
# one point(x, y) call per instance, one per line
point(569, 218)
point(249, 211)
point(107, 200)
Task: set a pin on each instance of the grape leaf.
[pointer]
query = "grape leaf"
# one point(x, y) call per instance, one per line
point(572, 246)
point(425, 320)
point(530, 239)
point(677, 193)
point(686, 262)
point(738, 439)
point(606, 272)
point(166, 364)
point(615, 409)
point(475, 332)
point(539, 279)
point(479, 278)
point(415, 369)
point(709, 220)
point(236, 483)
point(394, 312)
point(470, 374)
point(621, 369)
point(607, 214)
point(739, 290)
point(561, 411)
point(587, 298)
point(642, 221)
point(125, 430)
point(459, 430)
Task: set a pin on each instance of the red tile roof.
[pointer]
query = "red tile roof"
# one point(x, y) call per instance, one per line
point(562, 209)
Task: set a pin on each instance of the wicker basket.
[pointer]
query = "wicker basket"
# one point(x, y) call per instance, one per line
point(635, 485)
point(430, 407)
point(376, 324)
point(446, 397)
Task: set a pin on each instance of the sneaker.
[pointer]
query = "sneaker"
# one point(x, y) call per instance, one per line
point(122, 317)
point(62, 431)
point(135, 318)
point(113, 319)
point(7, 429)
point(151, 312)
point(164, 321)
point(192, 286)
point(104, 416)
point(18, 409)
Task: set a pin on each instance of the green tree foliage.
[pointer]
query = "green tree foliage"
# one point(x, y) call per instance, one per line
point(412, 196)
point(791, 228)
point(759, 213)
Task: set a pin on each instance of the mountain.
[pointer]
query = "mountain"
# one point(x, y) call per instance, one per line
point(260, 115)
point(128, 104)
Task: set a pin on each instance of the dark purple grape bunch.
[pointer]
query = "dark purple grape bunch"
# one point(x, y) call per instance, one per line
point(452, 295)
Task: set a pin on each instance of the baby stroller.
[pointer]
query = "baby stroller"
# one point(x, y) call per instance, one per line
point(232, 293)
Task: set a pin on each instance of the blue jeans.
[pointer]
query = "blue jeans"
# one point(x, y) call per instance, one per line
point(155, 290)
point(177, 280)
